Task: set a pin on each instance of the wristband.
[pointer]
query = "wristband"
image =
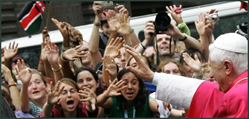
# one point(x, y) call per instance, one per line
point(14, 84)
point(96, 24)
point(143, 46)
point(183, 38)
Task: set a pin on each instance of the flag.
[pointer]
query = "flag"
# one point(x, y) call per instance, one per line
point(30, 17)
point(244, 4)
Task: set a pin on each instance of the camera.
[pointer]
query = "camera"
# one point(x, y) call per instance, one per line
point(162, 21)
point(214, 17)
point(107, 5)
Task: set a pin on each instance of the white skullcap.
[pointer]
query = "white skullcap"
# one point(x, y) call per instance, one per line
point(232, 42)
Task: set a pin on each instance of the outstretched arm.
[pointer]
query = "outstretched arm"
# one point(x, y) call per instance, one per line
point(104, 100)
point(182, 86)
point(94, 39)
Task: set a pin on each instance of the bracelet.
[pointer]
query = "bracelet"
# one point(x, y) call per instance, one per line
point(57, 69)
point(143, 46)
point(183, 38)
point(96, 24)
point(132, 30)
point(14, 84)
point(63, 59)
point(41, 61)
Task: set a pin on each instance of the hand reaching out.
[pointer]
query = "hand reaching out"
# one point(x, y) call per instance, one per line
point(7, 74)
point(62, 27)
point(195, 64)
point(110, 65)
point(97, 8)
point(53, 53)
point(112, 20)
point(176, 16)
point(53, 95)
point(88, 96)
point(125, 27)
point(203, 27)
point(24, 73)
point(11, 51)
point(112, 49)
point(115, 88)
point(73, 53)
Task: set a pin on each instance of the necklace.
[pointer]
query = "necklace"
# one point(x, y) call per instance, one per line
point(240, 80)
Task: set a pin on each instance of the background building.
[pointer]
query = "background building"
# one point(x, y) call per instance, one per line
point(74, 12)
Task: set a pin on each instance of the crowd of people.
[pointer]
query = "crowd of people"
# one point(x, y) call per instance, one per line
point(116, 75)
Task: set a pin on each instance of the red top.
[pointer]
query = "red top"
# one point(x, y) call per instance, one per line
point(209, 102)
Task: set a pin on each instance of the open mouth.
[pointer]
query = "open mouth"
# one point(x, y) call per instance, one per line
point(70, 102)
point(130, 95)
point(36, 92)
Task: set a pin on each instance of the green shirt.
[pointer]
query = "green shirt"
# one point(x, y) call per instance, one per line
point(116, 111)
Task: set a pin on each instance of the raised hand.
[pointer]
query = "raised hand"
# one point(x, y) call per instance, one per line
point(45, 35)
point(115, 88)
point(88, 96)
point(62, 28)
point(11, 51)
point(53, 95)
point(121, 9)
point(202, 26)
point(110, 65)
point(7, 74)
point(195, 64)
point(125, 27)
point(148, 30)
point(112, 20)
point(213, 11)
point(97, 8)
point(74, 53)
point(24, 73)
point(144, 71)
point(53, 53)
point(112, 49)
point(175, 15)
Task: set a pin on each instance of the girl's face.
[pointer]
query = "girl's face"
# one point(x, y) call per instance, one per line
point(171, 68)
point(132, 84)
point(36, 88)
point(69, 97)
point(86, 79)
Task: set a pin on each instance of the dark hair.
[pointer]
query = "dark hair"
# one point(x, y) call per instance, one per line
point(99, 90)
point(141, 97)
point(191, 53)
point(95, 76)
